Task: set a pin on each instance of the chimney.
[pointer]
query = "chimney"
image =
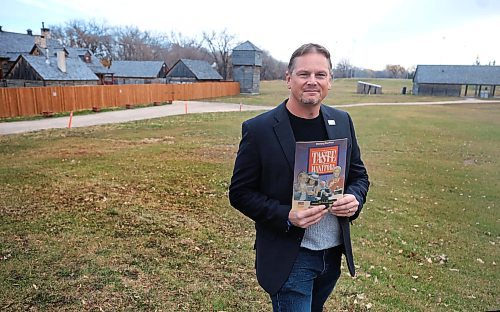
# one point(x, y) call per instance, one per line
point(29, 32)
point(43, 42)
point(61, 61)
point(45, 32)
point(40, 41)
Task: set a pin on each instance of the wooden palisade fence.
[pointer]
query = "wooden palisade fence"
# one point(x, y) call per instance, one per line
point(32, 101)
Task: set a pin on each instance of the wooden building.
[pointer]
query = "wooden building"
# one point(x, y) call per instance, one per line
point(188, 71)
point(247, 62)
point(104, 74)
point(14, 44)
point(448, 80)
point(138, 72)
point(30, 70)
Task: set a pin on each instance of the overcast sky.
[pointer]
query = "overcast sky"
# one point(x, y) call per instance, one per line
point(368, 33)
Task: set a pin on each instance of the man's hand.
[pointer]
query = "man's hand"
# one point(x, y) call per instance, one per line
point(307, 217)
point(345, 206)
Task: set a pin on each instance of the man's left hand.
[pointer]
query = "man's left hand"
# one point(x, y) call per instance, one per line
point(345, 206)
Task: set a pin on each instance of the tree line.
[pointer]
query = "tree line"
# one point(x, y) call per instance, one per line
point(124, 43)
point(344, 69)
point(110, 43)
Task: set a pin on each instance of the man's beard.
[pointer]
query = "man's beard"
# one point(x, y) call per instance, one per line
point(309, 101)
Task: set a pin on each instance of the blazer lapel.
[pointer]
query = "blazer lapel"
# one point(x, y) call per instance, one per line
point(330, 123)
point(284, 133)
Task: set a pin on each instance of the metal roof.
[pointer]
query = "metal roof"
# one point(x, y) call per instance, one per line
point(136, 69)
point(75, 68)
point(458, 74)
point(247, 46)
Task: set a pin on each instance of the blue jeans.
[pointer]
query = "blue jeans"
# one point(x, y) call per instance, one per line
point(311, 281)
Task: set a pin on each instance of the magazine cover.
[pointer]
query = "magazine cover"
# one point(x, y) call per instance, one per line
point(319, 173)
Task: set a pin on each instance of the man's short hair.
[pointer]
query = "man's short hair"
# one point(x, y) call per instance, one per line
point(310, 48)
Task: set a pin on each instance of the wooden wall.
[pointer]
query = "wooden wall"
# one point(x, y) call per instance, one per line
point(37, 100)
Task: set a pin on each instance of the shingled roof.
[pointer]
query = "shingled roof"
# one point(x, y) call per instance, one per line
point(13, 44)
point(78, 53)
point(247, 46)
point(95, 64)
point(457, 74)
point(136, 69)
point(201, 70)
point(76, 70)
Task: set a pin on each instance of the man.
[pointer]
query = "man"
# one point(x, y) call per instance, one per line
point(298, 253)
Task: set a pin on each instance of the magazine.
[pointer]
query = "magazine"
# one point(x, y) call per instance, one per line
point(319, 173)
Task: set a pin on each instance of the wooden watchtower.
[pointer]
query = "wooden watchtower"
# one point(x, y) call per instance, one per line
point(247, 61)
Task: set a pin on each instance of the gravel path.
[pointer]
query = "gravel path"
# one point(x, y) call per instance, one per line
point(176, 108)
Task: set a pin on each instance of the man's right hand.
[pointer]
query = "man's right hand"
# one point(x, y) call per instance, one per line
point(307, 217)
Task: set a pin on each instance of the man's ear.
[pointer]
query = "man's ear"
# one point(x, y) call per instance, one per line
point(287, 79)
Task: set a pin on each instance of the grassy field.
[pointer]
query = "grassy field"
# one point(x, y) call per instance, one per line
point(274, 92)
point(343, 92)
point(135, 216)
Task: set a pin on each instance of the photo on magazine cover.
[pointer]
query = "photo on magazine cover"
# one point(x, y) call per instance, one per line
point(319, 173)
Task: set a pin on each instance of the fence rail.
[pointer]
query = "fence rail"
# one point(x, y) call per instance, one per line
point(32, 101)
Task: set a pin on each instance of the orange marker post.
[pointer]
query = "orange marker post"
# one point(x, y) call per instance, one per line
point(185, 107)
point(70, 119)
point(240, 106)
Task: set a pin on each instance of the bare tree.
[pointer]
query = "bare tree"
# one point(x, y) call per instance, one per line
point(130, 43)
point(95, 36)
point(343, 69)
point(396, 71)
point(184, 47)
point(220, 45)
point(272, 69)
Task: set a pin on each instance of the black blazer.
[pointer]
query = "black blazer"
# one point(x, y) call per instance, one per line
point(262, 182)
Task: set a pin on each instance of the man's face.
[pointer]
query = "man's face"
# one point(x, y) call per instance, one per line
point(310, 79)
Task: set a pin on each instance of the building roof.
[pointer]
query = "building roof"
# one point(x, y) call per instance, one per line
point(75, 69)
point(458, 74)
point(136, 69)
point(11, 55)
point(96, 66)
point(369, 84)
point(75, 52)
point(78, 53)
point(247, 46)
point(201, 70)
point(13, 44)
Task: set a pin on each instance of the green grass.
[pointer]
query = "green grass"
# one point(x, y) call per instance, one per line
point(343, 92)
point(135, 216)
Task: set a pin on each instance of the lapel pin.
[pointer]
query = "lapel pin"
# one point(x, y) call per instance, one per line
point(331, 122)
